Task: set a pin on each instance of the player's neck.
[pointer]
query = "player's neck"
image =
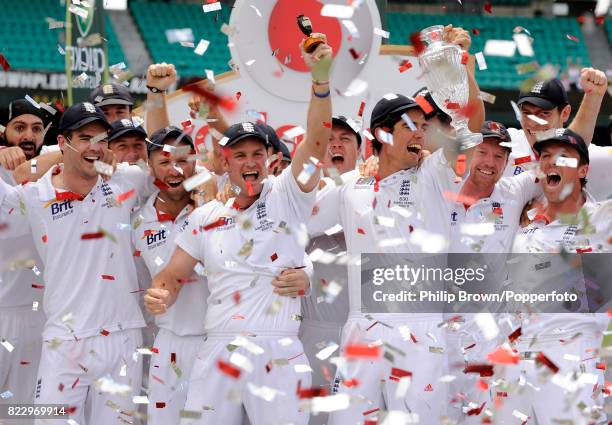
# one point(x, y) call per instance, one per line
point(388, 166)
point(170, 206)
point(244, 202)
point(71, 180)
point(569, 206)
point(474, 190)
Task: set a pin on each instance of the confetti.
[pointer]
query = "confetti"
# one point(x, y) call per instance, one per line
point(201, 47)
point(211, 7)
point(424, 104)
point(6, 395)
point(404, 66)
point(487, 325)
point(9, 347)
point(480, 59)
point(79, 11)
point(95, 235)
point(505, 48)
point(108, 277)
point(352, 29)
point(178, 35)
point(4, 63)
point(408, 122)
point(383, 136)
point(482, 369)
point(566, 162)
point(330, 403)
point(356, 87)
point(542, 359)
point(140, 399)
point(503, 355)
point(487, 97)
point(381, 32)
point(362, 351)
point(488, 7)
point(327, 351)
point(572, 38)
point(228, 369)
point(337, 11)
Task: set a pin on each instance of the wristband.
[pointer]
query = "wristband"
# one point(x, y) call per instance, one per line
point(321, 96)
point(320, 83)
point(155, 90)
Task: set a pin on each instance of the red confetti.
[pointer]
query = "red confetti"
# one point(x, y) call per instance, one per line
point(236, 297)
point(161, 185)
point(404, 66)
point(424, 104)
point(24, 363)
point(105, 332)
point(359, 351)
point(502, 394)
point(369, 412)
point(136, 253)
point(583, 250)
point(96, 235)
point(453, 105)
point(360, 231)
point(228, 369)
point(274, 257)
point(469, 109)
point(599, 20)
point(475, 31)
point(160, 405)
point(428, 388)
point(354, 53)
point(361, 108)
point(44, 238)
point(172, 357)
point(60, 387)
point(4, 63)
point(476, 411)
point(515, 335)
point(488, 7)
point(74, 384)
point(464, 58)
point(417, 43)
point(600, 365)
point(327, 124)
point(482, 385)
point(522, 160)
point(400, 373)
point(68, 196)
point(481, 369)
point(126, 195)
point(158, 379)
point(413, 338)
point(37, 286)
point(218, 223)
point(497, 211)
point(211, 98)
point(312, 392)
point(572, 38)
point(108, 277)
point(351, 383)
point(155, 350)
point(541, 358)
point(301, 292)
point(238, 95)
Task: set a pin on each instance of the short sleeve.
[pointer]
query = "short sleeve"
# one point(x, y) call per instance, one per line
point(295, 200)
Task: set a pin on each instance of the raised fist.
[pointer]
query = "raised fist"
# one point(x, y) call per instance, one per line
point(161, 75)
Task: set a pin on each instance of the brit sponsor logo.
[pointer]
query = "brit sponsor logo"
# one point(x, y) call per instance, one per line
point(155, 238)
point(61, 209)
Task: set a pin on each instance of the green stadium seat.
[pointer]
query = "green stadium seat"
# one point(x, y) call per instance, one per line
point(29, 44)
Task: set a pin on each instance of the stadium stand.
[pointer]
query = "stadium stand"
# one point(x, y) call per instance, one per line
point(167, 16)
point(29, 44)
point(551, 44)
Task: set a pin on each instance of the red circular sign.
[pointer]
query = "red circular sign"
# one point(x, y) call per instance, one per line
point(284, 34)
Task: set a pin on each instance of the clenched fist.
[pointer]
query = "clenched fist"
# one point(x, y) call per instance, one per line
point(11, 157)
point(161, 75)
point(319, 61)
point(157, 300)
point(458, 36)
point(593, 81)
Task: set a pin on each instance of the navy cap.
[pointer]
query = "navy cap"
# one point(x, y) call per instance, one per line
point(81, 114)
point(124, 127)
point(567, 137)
point(158, 139)
point(345, 122)
point(22, 107)
point(237, 132)
point(437, 111)
point(111, 94)
point(390, 104)
point(547, 95)
point(496, 130)
point(275, 141)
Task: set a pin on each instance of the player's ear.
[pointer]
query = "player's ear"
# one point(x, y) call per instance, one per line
point(565, 113)
point(583, 170)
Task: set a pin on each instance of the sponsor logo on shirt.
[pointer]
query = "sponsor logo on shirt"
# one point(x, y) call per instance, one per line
point(261, 211)
point(405, 188)
point(453, 217)
point(518, 170)
point(225, 223)
point(364, 181)
point(106, 190)
point(158, 238)
point(61, 209)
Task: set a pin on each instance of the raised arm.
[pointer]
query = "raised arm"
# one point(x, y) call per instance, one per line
point(26, 172)
point(319, 114)
point(595, 84)
point(166, 285)
point(160, 76)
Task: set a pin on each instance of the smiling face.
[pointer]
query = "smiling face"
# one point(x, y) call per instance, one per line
point(488, 163)
point(555, 118)
point(172, 170)
point(246, 164)
point(407, 146)
point(129, 148)
point(79, 153)
point(116, 112)
point(342, 151)
point(560, 182)
point(27, 132)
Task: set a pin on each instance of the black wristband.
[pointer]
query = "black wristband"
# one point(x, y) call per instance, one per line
point(155, 90)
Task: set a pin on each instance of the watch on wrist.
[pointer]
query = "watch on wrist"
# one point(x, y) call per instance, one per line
point(155, 90)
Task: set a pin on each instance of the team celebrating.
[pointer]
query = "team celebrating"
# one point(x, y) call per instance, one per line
point(226, 286)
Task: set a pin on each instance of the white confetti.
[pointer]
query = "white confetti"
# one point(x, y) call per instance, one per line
point(602, 7)
point(266, 393)
point(330, 403)
point(563, 161)
point(79, 11)
point(6, 395)
point(327, 351)
point(179, 34)
point(251, 347)
point(381, 32)
point(320, 256)
point(302, 368)
point(356, 87)
point(140, 399)
point(480, 59)
point(505, 48)
point(9, 347)
point(211, 7)
point(145, 351)
point(333, 230)
point(202, 47)
point(35, 306)
point(159, 261)
point(367, 134)
point(196, 180)
point(517, 414)
point(447, 378)
point(384, 137)
point(210, 75)
point(103, 168)
point(107, 385)
point(487, 97)
point(187, 44)
point(487, 325)
point(478, 229)
point(351, 27)
point(409, 122)
point(517, 111)
point(384, 221)
point(241, 361)
point(123, 371)
point(337, 11)
point(523, 44)
point(402, 386)
point(294, 132)
point(256, 10)
point(537, 120)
